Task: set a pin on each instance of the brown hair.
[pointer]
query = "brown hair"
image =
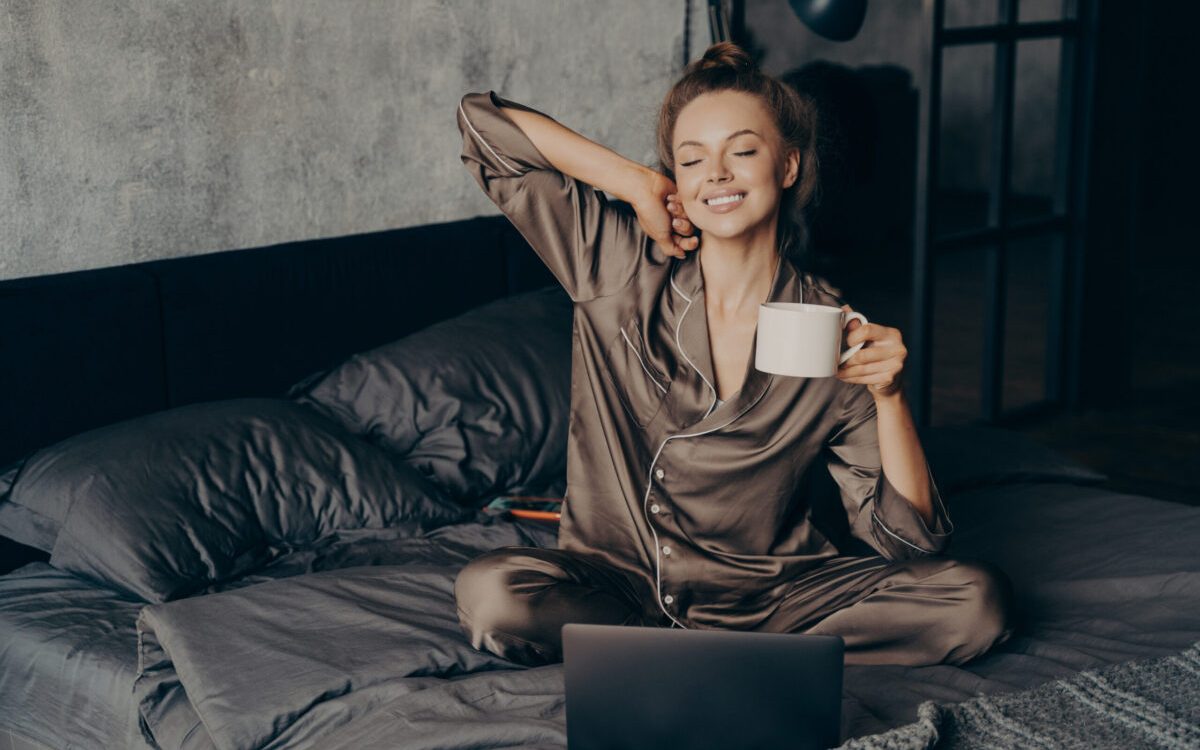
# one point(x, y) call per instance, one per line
point(727, 67)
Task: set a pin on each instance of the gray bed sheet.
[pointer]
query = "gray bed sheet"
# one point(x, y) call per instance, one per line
point(1100, 578)
point(69, 648)
point(68, 651)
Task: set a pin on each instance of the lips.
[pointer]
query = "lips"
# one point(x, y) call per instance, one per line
point(726, 205)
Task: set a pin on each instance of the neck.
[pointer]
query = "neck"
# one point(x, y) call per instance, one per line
point(738, 272)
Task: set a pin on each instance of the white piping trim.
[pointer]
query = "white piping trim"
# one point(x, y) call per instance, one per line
point(681, 294)
point(485, 143)
point(646, 498)
point(679, 346)
point(642, 363)
point(883, 526)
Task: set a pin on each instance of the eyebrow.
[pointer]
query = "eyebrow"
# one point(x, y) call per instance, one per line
point(730, 137)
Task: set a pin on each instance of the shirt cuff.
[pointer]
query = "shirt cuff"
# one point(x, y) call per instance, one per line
point(901, 527)
point(491, 137)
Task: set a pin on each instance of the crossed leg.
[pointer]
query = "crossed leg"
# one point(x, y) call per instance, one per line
point(513, 601)
point(929, 610)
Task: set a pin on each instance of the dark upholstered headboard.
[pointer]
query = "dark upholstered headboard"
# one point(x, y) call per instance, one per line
point(82, 350)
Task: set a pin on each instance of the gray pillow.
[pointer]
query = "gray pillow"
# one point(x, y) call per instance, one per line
point(169, 503)
point(479, 403)
point(35, 528)
point(964, 457)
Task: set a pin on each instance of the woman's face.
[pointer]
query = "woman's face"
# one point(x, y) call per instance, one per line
point(726, 143)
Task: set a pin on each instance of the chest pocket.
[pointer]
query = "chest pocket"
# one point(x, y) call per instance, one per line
point(639, 384)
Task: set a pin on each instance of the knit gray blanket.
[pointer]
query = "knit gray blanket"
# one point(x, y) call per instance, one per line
point(1150, 703)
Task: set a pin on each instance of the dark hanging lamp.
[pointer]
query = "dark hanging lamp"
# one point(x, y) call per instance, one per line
point(838, 20)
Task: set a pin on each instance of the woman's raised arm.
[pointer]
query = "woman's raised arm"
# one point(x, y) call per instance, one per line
point(544, 177)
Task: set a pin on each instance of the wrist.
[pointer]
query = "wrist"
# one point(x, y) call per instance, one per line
point(893, 394)
point(642, 185)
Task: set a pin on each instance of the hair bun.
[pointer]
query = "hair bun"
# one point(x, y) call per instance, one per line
point(726, 55)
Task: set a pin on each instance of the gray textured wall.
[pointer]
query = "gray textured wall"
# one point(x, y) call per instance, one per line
point(146, 130)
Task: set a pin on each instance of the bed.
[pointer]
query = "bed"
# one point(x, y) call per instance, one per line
point(278, 572)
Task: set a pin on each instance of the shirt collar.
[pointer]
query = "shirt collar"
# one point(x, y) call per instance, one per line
point(688, 282)
point(787, 286)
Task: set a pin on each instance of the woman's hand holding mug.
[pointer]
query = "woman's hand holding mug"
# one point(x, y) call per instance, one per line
point(879, 362)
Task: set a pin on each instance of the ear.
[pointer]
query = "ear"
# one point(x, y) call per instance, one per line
point(791, 168)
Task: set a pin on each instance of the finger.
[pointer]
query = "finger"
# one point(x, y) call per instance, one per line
point(682, 226)
point(669, 249)
point(870, 368)
point(878, 336)
point(683, 245)
point(874, 354)
point(873, 332)
point(860, 332)
point(874, 382)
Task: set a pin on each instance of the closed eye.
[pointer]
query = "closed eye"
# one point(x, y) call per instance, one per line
point(751, 152)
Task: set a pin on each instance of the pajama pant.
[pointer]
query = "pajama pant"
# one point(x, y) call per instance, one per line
point(513, 602)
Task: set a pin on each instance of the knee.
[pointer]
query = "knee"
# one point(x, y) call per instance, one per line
point(983, 617)
point(483, 592)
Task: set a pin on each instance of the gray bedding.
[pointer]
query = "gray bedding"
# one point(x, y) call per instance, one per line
point(259, 573)
point(68, 656)
point(1102, 578)
point(355, 644)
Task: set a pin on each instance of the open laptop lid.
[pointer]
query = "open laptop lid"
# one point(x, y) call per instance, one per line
point(640, 687)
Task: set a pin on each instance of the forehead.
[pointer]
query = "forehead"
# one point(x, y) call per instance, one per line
point(710, 118)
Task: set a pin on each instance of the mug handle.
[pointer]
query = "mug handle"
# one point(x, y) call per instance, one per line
point(854, 349)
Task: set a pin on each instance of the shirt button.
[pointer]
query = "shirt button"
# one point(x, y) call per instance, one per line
point(666, 550)
point(659, 473)
point(654, 508)
point(668, 599)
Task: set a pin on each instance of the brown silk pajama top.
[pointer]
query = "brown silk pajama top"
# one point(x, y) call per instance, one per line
point(700, 503)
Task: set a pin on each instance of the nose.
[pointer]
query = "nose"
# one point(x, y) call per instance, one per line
point(718, 171)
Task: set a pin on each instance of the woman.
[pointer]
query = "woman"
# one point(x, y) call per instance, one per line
point(685, 462)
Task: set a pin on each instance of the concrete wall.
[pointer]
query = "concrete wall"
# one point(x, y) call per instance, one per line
point(146, 130)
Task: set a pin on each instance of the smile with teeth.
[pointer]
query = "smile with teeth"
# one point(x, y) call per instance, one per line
point(725, 199)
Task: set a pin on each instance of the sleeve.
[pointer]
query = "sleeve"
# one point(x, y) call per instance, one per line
point(591, 247)
point(878, 514)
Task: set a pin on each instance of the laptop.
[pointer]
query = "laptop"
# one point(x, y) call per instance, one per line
point(652, 687)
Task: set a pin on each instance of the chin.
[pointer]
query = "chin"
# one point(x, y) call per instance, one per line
point(730, 226)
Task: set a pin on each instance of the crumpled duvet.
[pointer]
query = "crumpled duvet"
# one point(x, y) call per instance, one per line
point(284, 662)
point(360, 647)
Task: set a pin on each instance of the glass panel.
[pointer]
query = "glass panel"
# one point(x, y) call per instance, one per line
point(1026, 312)
point(1043, 10)
point(964, 169)
point(972, 12)
point(1035, 129)
point(957, 339)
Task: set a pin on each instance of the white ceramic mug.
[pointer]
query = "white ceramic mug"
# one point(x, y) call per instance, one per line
point(802, 340)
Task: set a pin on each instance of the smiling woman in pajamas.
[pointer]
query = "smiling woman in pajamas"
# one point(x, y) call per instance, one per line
point(684, 503)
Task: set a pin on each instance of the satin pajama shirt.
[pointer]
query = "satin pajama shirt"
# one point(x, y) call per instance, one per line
point(684, 513)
